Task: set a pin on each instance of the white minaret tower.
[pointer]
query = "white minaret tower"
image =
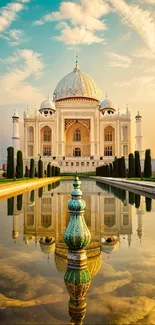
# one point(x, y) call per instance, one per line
point(15, 137)
point(139, 136)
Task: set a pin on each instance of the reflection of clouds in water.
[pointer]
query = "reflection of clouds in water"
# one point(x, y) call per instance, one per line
point(118, 310)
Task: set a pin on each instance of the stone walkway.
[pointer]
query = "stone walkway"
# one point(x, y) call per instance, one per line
point(140, 187)
point(18, 187)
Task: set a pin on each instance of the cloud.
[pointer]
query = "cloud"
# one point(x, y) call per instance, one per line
point(78, 35)
point(144, 53)
point(14, 86)
point(136, 82)
point(83, 20)
point(141, 20)
point(14, 37)
point(117, 60)
point(9, 13)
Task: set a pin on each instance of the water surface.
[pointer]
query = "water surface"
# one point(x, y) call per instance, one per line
point(33, 256)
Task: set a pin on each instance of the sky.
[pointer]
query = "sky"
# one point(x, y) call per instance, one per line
point(115, 41)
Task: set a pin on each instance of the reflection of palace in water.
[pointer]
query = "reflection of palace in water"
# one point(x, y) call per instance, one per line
point(46, 217)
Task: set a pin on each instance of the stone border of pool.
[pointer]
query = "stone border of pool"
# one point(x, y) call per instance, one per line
point(15, 188)
point(141, 187)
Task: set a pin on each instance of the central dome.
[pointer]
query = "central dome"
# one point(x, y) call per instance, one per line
point(77, 84)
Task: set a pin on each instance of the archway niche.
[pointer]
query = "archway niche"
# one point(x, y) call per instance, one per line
point(77, 141)
point(46, 141)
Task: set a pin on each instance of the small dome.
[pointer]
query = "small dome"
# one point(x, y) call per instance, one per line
point(107, 104)
point(47, 107)
point(15, 115)
point(77, 84)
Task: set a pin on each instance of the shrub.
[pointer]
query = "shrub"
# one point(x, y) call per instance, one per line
point(10, 162)
point(32, 168)
point(19, 168)
point(147, 164)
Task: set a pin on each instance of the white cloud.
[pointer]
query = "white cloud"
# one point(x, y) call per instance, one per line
point(144, 53)
point(84, 19)
point(9, 13)
point(136, 82)
point(78, 35)
point(117, 60)
point(141, 20)
point(14, 37)
point(14, 86)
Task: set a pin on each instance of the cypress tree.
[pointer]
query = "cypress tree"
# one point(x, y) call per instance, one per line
point(131, 198)
point(49, 170)
point(137, 201)
point(40, 169)
point(49, 187)
point(147, 164)
point(110, 169)
point(10, 206)
point(107, 170)
point(19, 164)
point(131, 166)
point(26, 171)
point(32, 196)
point(53, 171)
point(137, 165)
point(10, 162)
point(148, 202)
point(35, 172)
point(40, 192)
point(19, 202)
point(32, 168)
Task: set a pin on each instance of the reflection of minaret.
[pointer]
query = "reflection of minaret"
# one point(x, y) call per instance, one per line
point(129, 240)
point(140, 230)
point(15, 233)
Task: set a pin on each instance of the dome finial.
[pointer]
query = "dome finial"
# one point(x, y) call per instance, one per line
point(106, 95)
point(77, 62)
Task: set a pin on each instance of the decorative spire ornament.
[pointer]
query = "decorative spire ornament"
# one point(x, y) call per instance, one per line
point(77, 235)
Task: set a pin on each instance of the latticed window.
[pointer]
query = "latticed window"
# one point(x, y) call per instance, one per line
point(47, 151)
point(30, 134)
point(77, 135)
point(108, 151)
point(46, 221)
point(77, 152)
point(125, 220)
point(47, 136)
point(108, 136)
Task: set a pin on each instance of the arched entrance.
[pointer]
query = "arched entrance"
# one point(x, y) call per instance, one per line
point(46, 142)
point(77, 140)
point(109, 141)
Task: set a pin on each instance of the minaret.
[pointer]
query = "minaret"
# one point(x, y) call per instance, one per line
point(15, 137)
point(139, 136)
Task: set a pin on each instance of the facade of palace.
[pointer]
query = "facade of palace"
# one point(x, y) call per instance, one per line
point(76, 129)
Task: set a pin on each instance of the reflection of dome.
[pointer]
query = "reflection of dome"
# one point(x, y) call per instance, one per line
point(47, 245)
point(15, 234)
point(27, 239)
point(77, 84)
point(110, 245)
point(94, 260)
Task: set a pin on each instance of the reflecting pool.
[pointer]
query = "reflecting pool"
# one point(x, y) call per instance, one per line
point(120, 257)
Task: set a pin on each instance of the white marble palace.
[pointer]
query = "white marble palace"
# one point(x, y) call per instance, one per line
point(75, 129)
